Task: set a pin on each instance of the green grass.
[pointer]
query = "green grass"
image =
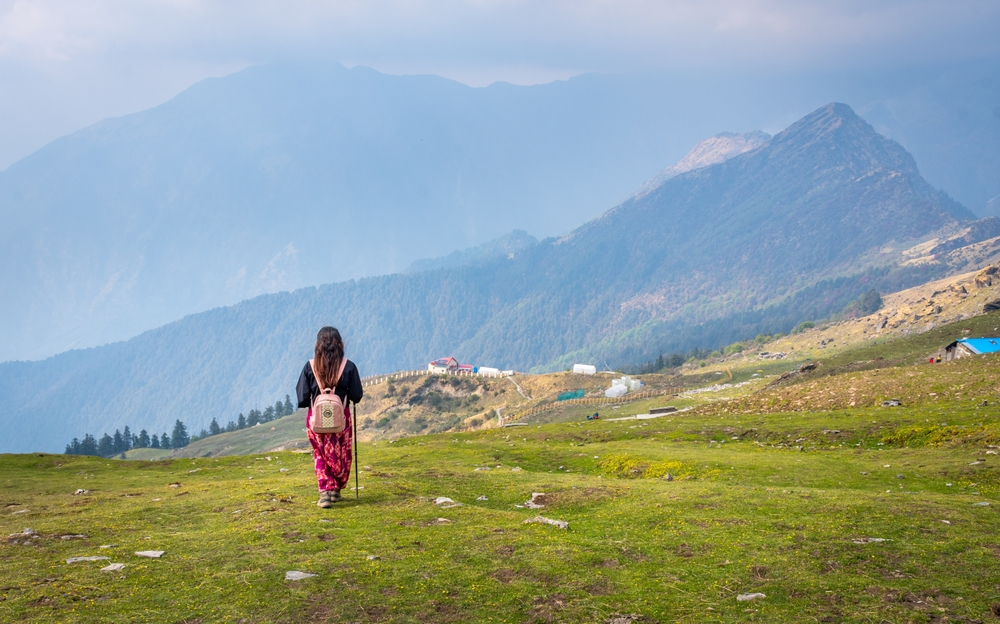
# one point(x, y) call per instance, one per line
point(284, 433)
point(889, 351)
point(774, 510)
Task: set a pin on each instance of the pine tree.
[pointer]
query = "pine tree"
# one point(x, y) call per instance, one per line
point(279, 409)
point(214, 428)
point(73, 448)
point(288, 405)
point(268, 414)
point(241, 422)
point(180, 438)
point(143, 440)
point(165, 441)
point(155, 442)
point(230, 426)
point(118, 443)
point(106, 447)
point(128, 437)
point(88, 446)
point(253, 418)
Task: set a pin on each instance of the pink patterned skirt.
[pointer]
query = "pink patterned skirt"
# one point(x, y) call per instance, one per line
point(332, 454)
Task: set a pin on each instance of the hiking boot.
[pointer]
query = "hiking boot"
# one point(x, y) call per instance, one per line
point(325, 499)
point(335, 496)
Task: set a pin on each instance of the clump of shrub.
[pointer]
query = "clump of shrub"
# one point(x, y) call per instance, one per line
point(622, 466)
point(804, 325)
point(934, 435)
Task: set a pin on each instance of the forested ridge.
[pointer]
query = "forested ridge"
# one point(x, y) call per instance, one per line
point(786, 232)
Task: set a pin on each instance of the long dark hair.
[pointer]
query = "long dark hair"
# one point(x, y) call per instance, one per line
point(329, 354)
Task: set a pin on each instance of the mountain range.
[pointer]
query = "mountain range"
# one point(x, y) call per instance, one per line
point(764, 235)
point(218, 195)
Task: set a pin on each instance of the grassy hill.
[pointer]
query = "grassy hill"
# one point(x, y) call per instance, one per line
point(841, 352)
point(834, 512)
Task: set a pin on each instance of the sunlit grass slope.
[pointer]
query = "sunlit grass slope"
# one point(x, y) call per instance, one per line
point(774, 503)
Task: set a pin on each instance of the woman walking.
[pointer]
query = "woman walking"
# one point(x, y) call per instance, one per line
point(331, 451)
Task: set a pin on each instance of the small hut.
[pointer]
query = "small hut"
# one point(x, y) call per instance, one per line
point(964, 347)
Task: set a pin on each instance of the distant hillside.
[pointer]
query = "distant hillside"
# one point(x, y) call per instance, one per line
point(215, 196)
point(231, 189)
point(792, 230)
point(503, 247)
point(713, 151)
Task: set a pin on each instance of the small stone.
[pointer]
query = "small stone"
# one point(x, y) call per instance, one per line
point(442, 500)
point(107, 546)
point(283, 470)
point(946, 521)
point(516, 469)
point(20, 511)
point(481, 468)
point(624, 619)
point(373, 558)
point(72, 537)
point(175, 485)
point(868, 540)
point(981, 504)
point(899, 476)
point(151, 554)
point(193, 471)
point(78, 559)
point(562, 524)
point(482, 498)
point(751, 596)
point(114, 567)
point(295, 575)
point(537, 500)
point(81, 492)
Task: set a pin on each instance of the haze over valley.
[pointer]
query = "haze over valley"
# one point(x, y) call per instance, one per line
point(216, 195)
point(748, 234)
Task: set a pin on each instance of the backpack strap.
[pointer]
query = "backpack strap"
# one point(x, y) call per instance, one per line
point(340, 373)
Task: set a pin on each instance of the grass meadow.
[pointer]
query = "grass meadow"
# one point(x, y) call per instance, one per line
point(670, 520)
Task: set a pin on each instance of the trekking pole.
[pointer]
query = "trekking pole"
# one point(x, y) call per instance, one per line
point(354, 431)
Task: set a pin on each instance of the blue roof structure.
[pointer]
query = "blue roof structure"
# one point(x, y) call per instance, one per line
point(980, 346)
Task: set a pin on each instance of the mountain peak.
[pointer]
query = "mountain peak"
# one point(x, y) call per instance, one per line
point(710, 151)
point(834, 135)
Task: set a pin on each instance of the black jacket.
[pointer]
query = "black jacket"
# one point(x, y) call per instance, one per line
point(348, 388)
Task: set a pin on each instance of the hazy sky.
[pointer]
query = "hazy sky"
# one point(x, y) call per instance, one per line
point(66, 64)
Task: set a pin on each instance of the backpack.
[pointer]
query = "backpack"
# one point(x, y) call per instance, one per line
point(327, 409)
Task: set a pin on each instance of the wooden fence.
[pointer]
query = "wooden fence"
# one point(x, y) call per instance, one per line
point(373, 380)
